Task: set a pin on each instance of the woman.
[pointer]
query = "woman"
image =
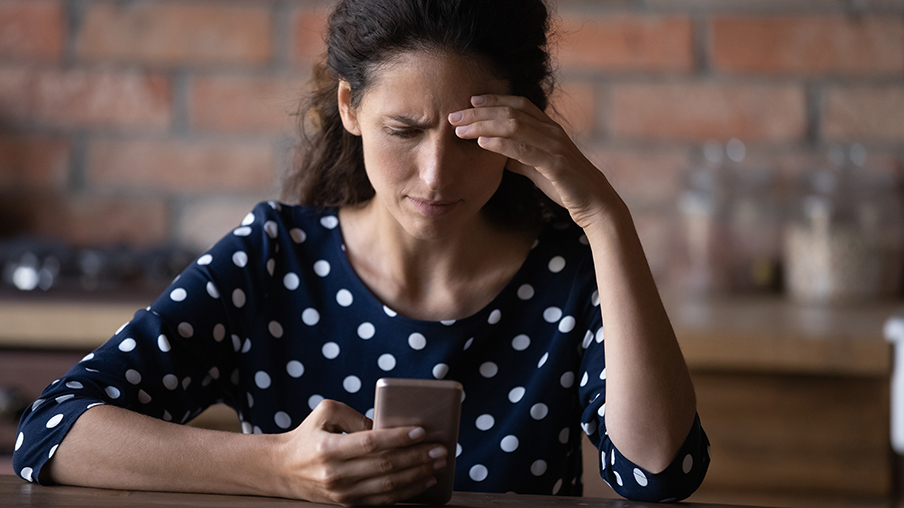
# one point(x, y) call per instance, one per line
point(433, 249)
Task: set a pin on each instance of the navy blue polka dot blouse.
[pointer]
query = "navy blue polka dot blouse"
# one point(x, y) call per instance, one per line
point(273, 319)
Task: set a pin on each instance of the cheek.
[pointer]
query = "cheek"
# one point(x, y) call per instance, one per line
point(382, 163)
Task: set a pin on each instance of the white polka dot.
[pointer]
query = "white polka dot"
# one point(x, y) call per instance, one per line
point(298, 236)
point(417, 341)
point(89, 356)
point(282, 420)
point(205, 260)
point(322, 268)
point(236, 343)
point(243, 231)
point(330, 350)
point(64, 398)
point(489, 369)
point(170, 381)
point(310, 317)
point(271, 266)
point(526, 292)
point(520, 342)
point(246, 428)
point(603, 373)
point(589, 427)
point(509, 443)
point(344, 297)
point(26, 473)
point(295, 368)
point(588, 338)
point(557, 487)
point(640, 477)
point(133, 376)
point(143, 397)
point(485, 422)
point(240, 259)
point(566, 324)
point(351, 384)
point(313, 400)
point(584, 380)
point(248, 220)
point(212, 290)
point(495, 317)
point(186, 330)
point(516, 394)
point(123, 327)
point(54, 421)
point(440, 370)
point(543, 360)
point(595, 298)
point(163, 343)
point(112, 392)
point(275, 329)
point(600, 335)
point(564, 435)
point(271, 228)
point(539, 411)
point(127, 345)
point(19, 441)
point(369, 413)
point(366, 331)
point(447, 322)
point(238, 298)
point(618, 478)
point(262, 380)
point(246, 346)
point(329, 221)
point(687, 464)
point(291, 281)
point(389, 312)
point(478, 473)
point(538, 468)
point(468, 343)
point(52, 451)
point(457, 449)
point(178, 295)
point(556, 264)
point(386, 362)
point(552, 314)
point(219, 332)
point(567, 380)
point(75, 385)
point(602, 410)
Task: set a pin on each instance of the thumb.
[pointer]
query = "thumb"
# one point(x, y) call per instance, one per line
point(336, 417)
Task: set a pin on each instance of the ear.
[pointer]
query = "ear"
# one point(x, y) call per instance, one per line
point(346, 111)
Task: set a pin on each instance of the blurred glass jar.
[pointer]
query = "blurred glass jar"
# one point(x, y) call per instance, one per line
point(754, 216)
point(844, 238)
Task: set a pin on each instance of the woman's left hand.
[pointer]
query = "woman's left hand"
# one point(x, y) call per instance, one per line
point(540, 149)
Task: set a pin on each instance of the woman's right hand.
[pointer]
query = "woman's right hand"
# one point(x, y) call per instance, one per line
point(334, 456)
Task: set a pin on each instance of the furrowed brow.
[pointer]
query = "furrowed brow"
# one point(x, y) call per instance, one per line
point(409, 122)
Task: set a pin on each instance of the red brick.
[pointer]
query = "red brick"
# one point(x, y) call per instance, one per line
point(92, 220)
point(31, 29)
point(181, 167)
point(33, 162)
point(309, 31)
point(642, 178)
point(697, 112)
point(80, 97)
point(245, 104)
point(809, 44)
point(574, 106)
point(864, 113)
point(627, 43)
point(169, 33)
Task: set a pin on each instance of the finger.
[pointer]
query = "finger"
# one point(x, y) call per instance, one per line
point(358, 444)
point(509, 101)
point(394, 487)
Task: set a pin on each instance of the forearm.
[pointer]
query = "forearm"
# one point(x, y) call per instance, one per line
point(111, 447)
point(650, 402)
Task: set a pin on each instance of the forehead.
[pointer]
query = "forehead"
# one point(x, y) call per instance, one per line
point(429, 82)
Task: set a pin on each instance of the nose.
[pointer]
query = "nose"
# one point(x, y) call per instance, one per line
point(438, 164)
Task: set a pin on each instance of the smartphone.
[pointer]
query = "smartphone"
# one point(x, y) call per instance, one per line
point(432, 404)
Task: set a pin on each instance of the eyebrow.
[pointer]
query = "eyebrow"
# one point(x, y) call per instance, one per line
point(410, 122)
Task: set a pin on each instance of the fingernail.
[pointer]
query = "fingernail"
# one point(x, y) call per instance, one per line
point(417, 433)
point(431, 482)
point(455, 117)
point(477, 100)
point(439, 464)
point(461, 130)
point(437, 452)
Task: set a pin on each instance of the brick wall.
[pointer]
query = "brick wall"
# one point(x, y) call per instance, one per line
point(147, 121)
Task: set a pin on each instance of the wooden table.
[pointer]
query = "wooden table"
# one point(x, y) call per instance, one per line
point(15, 492)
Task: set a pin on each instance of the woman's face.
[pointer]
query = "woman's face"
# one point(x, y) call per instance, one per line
point(430, 181)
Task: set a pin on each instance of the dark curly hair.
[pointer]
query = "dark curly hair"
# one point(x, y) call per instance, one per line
point(509, 36)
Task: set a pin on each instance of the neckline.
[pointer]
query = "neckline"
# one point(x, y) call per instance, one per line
point(337, 247)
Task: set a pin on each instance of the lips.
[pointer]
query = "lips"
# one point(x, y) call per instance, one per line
point(432, 208)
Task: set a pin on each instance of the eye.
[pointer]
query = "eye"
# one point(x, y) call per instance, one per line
point(402, 133)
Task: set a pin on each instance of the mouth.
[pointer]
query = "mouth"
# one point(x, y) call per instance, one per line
point(432, 208)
